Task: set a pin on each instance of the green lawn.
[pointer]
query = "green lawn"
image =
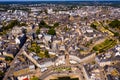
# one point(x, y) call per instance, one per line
point(62, 69)
point(34, 78)
point(107, 44)
point(41, 54)
point(65, 78)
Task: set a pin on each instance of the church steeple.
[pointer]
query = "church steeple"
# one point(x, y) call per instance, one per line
point(67, 58)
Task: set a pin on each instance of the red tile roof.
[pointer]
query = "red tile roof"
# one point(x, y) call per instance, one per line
point(26, 79)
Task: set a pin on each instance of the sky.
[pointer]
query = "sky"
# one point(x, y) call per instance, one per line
point(59, 0)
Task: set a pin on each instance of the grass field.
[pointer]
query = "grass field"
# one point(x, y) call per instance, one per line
point(62, 69)
point(65, 78)
point(107, 44)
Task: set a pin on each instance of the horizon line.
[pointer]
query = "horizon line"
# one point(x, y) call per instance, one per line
point(60, 1)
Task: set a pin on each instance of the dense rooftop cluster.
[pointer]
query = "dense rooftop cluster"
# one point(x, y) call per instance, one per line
point(45, 43)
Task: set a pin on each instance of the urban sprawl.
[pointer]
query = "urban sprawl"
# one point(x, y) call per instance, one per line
point(52, 41)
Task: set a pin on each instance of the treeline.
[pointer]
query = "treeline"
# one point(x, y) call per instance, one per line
point(6, 7)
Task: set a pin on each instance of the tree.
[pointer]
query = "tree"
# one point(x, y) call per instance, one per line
point(47, 54)
point(56, 24)
point(7, 58)
point(93, 26)
point(115, 72)
point(46, 12)
point(51, 31)
point(42, 24)
point(12, 24)
point(1, 73)
point(85, 18)
point(93, 62)
point(116, 34)
point(37, 31)
point(34, 78)
point(97, 53)
point(115, 24)
point(34, 48)
point(23, 24)
point(37, 49)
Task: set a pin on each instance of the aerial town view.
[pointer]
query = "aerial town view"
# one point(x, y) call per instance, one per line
point(59, 39)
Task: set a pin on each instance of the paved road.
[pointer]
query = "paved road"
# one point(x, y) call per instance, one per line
point(11, 68)
point(31, 59)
